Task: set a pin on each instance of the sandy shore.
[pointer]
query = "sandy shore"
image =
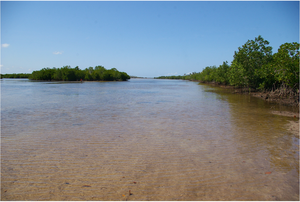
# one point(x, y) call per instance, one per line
point(292, 126)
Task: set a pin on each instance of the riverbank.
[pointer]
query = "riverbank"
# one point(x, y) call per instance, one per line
point(276, 96)
point(293, 125)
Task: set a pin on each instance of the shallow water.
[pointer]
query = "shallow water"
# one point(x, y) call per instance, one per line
point(160, 139)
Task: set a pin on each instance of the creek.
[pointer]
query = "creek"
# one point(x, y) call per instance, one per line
point(143, 139)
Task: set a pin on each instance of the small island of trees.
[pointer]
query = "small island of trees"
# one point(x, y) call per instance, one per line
point(66, 73)
point(15, 76)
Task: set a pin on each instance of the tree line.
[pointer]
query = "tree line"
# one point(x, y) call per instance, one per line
point(13, 76)
point(254, 66)
point(66, 73)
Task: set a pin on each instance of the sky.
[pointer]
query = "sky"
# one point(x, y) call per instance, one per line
point(141, 38)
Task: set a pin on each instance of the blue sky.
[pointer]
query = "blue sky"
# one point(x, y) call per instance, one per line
point(141, 38)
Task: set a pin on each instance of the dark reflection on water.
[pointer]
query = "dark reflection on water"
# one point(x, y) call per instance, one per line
point(195, 142)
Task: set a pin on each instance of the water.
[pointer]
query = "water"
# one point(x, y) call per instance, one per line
point(160, 139)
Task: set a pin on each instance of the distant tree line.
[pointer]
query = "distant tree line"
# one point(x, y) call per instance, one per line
point(171, 77)
point(254, 66)
point(20, 75)
point(66, 73)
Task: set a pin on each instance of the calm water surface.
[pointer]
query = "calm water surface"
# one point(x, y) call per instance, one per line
point(160, 139)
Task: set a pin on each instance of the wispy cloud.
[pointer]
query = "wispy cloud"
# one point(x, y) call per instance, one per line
point(4, 45)
point(57, 52)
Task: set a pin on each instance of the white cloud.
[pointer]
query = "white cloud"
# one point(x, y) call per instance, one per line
point(4, 45)
point(57, 52)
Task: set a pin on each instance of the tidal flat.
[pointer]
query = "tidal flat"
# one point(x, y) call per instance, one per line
point(144, 139)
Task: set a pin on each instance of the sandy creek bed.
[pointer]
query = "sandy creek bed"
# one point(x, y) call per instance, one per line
point(144, 140)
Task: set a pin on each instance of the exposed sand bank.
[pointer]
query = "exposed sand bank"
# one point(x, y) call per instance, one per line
point(292, 126)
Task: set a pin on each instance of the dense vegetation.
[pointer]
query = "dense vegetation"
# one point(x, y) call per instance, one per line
point(21, 75)
point(171, 77)
point(66, 73)
point(254, 66)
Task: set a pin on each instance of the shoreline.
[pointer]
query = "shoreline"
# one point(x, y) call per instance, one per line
point(269, 96)
point(293, 125)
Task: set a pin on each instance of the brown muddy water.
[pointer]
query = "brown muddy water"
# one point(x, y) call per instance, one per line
point(143, 139)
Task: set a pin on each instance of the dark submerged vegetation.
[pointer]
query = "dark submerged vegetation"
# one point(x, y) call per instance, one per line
point(66, 73)
point(255, 68)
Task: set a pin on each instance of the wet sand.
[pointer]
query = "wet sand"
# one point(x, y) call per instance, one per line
point(293, 125)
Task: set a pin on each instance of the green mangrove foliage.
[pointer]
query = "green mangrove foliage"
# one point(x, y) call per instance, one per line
point(170, 77)
point(254, 66)
point(14, 76)
point(66, 73)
